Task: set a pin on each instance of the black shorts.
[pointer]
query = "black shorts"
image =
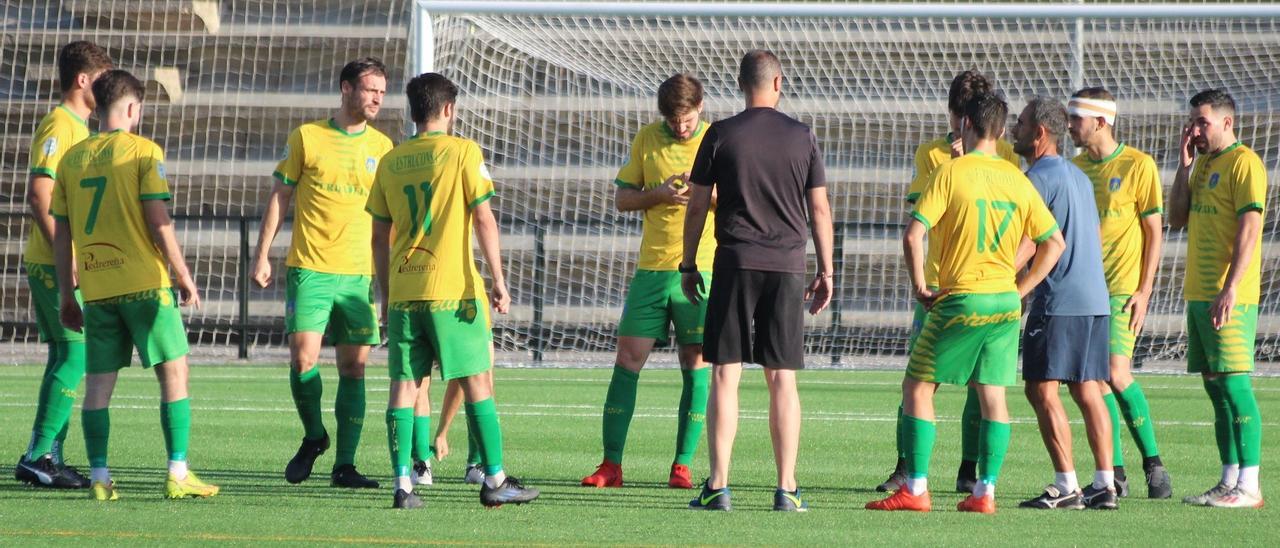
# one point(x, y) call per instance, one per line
point(755, 316)
point(1066, 348)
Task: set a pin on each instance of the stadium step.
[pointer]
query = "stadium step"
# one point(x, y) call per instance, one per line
point(147, 14)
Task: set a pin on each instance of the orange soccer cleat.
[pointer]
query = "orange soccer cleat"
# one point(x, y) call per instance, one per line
point(679, 477)
point(608, 474)
point(902, 499)
point(981, 505)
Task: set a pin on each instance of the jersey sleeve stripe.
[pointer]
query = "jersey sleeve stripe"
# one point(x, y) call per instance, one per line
point(44, 171)
point(1152, 211)
point(922, 219)
point(1047, 234)
point(1252, 206)
point(624, 184)
point(287, 181)
point(480, 200)
point(155, 196)
point(377, 217)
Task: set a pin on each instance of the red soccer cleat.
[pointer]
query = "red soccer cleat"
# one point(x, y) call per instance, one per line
point(608, 474)
point(981, 505)
point(680, 477)
point(902, 499)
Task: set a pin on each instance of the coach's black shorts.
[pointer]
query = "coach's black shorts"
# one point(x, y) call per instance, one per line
point(1066, 348)
point(757, 317)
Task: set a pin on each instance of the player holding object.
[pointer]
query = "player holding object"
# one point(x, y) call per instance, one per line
point(1219, 194)
point(1126, 187)
point(767, 171)
point(1067, 328)
point(653, 181)
point(79, 64)
point(983, 207)
point(110, 200)
point(928, 157)
point(330, 164)
point(433, 190)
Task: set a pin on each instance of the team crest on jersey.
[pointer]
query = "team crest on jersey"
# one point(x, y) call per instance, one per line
point(50, 146)
point(285, 154)
point(371, 164)
point(160, 171)
point(484, 172)
point(1114, 184)
point(1213, 180)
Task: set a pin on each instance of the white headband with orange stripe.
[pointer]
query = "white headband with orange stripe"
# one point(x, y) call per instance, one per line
point(1093, 108)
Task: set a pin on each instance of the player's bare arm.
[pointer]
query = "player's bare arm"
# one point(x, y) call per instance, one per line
point(695, 219)
point(673, 191)
point(821, 288)
point(1180, 195)
point(1152, 241)
point(160, 225)
point(913, 249)
point(272, 218)
point(381, 263)
point(486, 227)
point(1047, 253)
point(1248, 231)
point(69, 309)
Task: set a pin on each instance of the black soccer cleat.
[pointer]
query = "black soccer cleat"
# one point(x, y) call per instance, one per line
point(347, 476)
point(967, 476)
point(789, 501)
point(1100, 499)
point(74, 476)
point(510, 492)
point(712, 499)
point(1158, 485)
point(299, 468)
point(405, 500)
point(43, 472)
point(1053, 498)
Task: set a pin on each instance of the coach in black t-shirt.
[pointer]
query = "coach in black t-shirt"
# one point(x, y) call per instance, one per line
point(766, 170)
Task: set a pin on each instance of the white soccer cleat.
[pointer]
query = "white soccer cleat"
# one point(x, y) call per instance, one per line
point(1238, 498)
point(420, 474)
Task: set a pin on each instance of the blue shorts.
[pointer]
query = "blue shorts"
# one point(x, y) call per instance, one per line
point(1066, 348)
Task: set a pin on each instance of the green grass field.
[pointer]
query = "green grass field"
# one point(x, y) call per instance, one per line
point(245, 430)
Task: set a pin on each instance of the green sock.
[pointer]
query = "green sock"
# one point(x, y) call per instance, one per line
point(1247, 426)
point(307, 389)
point(400, 439)
point(1137, 414)
point(422, 449)
point(97, 428)
point(692, 414)
point(918, 436)
point(995, 444)
point(482, 417)
point(1223, 422)
point(349, 408)
point(619, 404)
point(1113, 409)
point(473, 446)
point(57, 396)
point(901, 436)
point(58, 441)
point(970, 426)
point(175, 420)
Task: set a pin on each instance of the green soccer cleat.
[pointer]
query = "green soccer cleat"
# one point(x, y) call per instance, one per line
point(190, 486)
point(103, 491)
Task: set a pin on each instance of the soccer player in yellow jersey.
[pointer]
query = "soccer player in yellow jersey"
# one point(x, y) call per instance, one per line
point(929, 156)
point(983, 207)
point(1219, 194)
point(431, 192)
point(1126, 187)
point(654, 181)
point(110, 200)
point(79, 64)
point(330, 164)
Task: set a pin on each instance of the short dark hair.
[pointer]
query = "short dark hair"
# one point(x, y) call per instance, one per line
point(80, 57)
point(987, 113)
point(1049, 113)
point(963, 87)
point(1217, 99)
point(353, 71)
point(1094, 93)
point(757, 67)
point(428, 94)
point(115, 85)
point(679, 94)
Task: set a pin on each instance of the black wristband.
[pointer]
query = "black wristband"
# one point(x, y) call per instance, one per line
point(687, 269)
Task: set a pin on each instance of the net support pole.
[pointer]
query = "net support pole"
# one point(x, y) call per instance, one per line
point(537, 332)
point(837, 308)
point(242, 289)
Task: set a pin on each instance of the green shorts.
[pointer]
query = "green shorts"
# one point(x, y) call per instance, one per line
point(1122, 337)
point(339, 305)
point(46, 301)
point(969, 338)
point(454, 333)
point(147, 320)
point(655, 301)
point(1226, 350)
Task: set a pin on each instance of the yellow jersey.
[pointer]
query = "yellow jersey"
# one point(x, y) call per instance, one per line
point(99, 191)
point(332, 171)
point(1224, 186)
point(1126, 187)
point(426, 188)
point(57, 133)
point(977, 209)
point(929, 156)
point(655, 155)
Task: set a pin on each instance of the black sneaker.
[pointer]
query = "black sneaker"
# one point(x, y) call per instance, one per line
point(74, 476)
point(966, 476)
point(712, 499)
point(789, 501)
point(43, 472)
point(405, 500)
point(347, 476)
point(1053, 498)
point(1100, 499)
point(510, 492)
point(1158, 486)
point(299, 468)
point(896, 480)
